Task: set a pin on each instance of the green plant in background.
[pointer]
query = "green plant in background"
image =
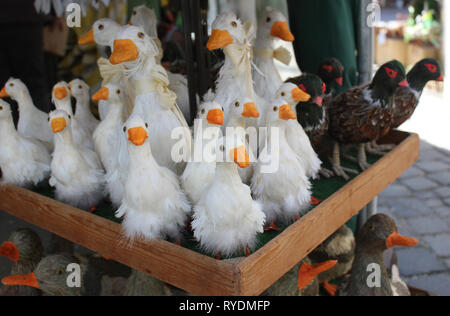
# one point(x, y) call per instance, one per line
point(424, 23)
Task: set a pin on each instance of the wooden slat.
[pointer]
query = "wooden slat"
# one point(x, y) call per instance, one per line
point(280, 255)
point(170, 263)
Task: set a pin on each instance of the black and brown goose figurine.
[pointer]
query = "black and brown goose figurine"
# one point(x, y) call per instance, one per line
point(331, 71)
point(364, 114)
point(407, 98)
point(340, 247)
point(97, 276)
point(377, 235)
point(302, 280)
point(24, 248)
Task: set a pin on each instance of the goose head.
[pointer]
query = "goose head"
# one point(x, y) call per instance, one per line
point(60, 121)
point(292, 94)
point(102, 32)
point(79, 88)
point(211, 112)
point(61, 97)
point(232, 149)
point(273, 24)
point(109, 92)
point(13, 89)
point(280, 112)
point(23, 246)
point(136, 131)
point(241, 110)
point(5, 112)
point(226, 29)
point(145, 17)
point(133, 48)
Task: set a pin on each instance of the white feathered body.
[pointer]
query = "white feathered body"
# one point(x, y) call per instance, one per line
point(33, 123)
point(299, 142)
point(80, 135)
point(284, 192)
point(179, 85)
point(77, 174)
point(23, 161)
point(154, 206)
point(106, 139)
point(199, 174)
point(162, 122)
point(266, 78)
point(227, 220)
point(84, 115)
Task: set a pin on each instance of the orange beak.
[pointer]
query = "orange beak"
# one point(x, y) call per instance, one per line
point(58, 124)
point(60, 93)
point(102, 94)
point(125, 50)
point(137, 135)
point(87, 38)
point(26, 280)
point(219, 39)
point(399, 240)
point(215, 117)
point(10, 251)
point(286, 113)
point(282, 31)
point(3, 93)
point(441, 78)
point(240, 157)
point(250, 110)
point(300, 96)
point(308, 273)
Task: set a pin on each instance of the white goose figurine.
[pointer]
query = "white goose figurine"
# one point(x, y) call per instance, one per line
point(283, 188)
point(61, 99)
point(80, 91)
point(155, 102)
point(201, 170)
point(76, 171)
point(23, 161)
point(227, 220)
point(235, 77)
point(106, 140)
point(154, 206)
point(102, 33)
point(241, 112)
point(32, 121)
point(295, 134)
point(272, 26)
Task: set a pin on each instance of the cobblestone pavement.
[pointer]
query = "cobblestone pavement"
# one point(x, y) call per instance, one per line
point(420, 204)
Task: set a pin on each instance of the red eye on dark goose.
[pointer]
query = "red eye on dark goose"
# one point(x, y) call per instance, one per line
point(432, 68)
point(301, 86)
point(328, 68)
point(324, 87)
point(391, 73)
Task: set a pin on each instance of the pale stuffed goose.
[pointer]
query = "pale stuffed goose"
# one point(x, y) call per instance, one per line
point(273, 26)
point(80, 91)
point(32, 121)
point(296, 136)
point(201, 169)
point(102, 33)
point(235, 77)
point(154, 206)
point(61, 100)
point(241, 112)
point(227, 220)
point(23, 161)
point(106, 140)
point(155, 102)
point(280, 183)
point(76, 171)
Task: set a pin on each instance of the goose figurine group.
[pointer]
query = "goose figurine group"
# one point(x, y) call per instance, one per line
point(250, 164)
